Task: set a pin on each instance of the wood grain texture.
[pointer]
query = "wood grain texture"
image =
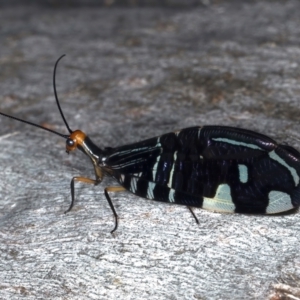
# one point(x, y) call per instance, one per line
point(130, 74)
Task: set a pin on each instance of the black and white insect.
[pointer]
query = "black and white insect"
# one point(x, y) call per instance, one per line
point(218, 168)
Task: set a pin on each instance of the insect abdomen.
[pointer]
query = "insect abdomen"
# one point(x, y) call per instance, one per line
point(218, 168)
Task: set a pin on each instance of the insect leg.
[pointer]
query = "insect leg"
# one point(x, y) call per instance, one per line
point(80, 179)
point(113, 189)
point(193, 214)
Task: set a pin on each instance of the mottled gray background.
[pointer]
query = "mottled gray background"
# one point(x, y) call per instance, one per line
point(134, 71)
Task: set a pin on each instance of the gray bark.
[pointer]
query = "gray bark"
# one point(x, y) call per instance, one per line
point(130, 74)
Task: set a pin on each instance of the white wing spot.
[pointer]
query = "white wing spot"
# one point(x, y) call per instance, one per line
point(222, 201)
point(237, 143)
point(172, 170)
point(122, 178)
point(154, 170)
point(171, 196)
point(243, 173)
point(279, 202)
point(151, 186)
point(133, 183)
point(292, 170)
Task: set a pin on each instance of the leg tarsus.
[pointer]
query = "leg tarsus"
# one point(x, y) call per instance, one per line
point(193, 214)
point(72, 195)
point(112, 208)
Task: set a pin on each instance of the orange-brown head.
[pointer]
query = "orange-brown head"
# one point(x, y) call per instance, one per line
point(75, 139)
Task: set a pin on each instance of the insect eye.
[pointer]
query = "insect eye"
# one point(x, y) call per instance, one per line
point(70, 142)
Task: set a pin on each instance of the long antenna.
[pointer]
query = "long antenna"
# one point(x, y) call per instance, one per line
point(39, 126)
point(36, 125)
point(55, 93)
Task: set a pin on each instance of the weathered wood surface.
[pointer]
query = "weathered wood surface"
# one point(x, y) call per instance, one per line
point(130, 74)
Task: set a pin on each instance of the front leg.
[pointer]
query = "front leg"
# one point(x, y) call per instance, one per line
point(106, 190)
point(80, 179)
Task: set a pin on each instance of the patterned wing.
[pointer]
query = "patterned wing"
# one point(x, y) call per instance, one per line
point(218, 168)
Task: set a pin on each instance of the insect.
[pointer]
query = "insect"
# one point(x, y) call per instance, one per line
point(218, 168)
